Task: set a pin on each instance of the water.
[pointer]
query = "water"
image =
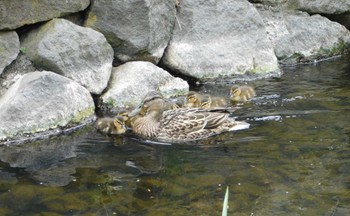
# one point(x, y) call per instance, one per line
point(294, 160)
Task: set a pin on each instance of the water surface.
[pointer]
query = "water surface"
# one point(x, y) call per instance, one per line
point(294, 160)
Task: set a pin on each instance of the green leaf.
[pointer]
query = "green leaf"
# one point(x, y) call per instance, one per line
point(225, 205)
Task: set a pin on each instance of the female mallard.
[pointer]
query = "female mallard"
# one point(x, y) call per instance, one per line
point(178, 125)
point(241, 93)
point(111, 125)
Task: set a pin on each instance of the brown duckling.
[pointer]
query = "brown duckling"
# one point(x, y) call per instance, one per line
point(212, 102)
point(241, 93)
point(193, 99)
point(111, 125)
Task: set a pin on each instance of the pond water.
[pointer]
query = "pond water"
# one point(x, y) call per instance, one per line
point(293, 160)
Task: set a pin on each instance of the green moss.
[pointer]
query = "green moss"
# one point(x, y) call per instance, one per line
point(23, 50)
point(82, 114)
point(91, 20)
point(113, 40)
point(110, 103)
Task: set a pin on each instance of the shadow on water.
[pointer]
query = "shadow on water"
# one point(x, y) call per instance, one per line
point(293, 160)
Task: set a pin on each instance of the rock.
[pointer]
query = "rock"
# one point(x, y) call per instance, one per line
point(298, 37)
point(137, 29)
point(9, 48)
point(277, 3)
point(79, 53)
point(20, 66)
point(40, 101)
point(324, 6)
point(132, 80)
point(219, 39)
point(17, 13)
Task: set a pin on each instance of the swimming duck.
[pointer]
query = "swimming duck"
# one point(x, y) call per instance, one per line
point(192, 99)
point(179, 125)
point(241, 93)
point(208, 101)
point(111, 125)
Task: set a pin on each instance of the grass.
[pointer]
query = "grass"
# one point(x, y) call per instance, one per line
point(225, 204)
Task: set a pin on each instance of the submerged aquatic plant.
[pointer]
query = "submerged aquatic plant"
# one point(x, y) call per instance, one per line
point(225, 205)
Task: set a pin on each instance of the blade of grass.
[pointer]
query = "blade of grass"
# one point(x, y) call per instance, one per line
point(225, 205)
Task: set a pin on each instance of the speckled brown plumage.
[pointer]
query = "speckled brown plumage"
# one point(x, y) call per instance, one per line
point(184, 124)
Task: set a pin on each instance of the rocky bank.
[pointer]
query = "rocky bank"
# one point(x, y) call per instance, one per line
point(57, 58)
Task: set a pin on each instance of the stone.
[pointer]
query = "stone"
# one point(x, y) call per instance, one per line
point(132, 80)
point(324, 6)
point(17, 13)
point(76, 52)
point(40, 101)
point(299, 37)
point(219, 39)
point(136, 29)
point(20, 66)
point(9, 48)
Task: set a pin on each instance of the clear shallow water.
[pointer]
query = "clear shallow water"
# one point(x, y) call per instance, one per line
point(294, 160)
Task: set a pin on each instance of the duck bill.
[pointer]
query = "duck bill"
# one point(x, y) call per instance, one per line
point(135, 112)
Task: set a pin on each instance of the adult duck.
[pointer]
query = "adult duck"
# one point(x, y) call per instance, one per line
point(180, 125)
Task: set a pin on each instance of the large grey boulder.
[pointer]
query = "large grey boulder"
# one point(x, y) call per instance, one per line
point(40, 101)
point(299, 37)
point(136, 29)
point(9, 48)
point(324, 6)
point(131, 81)
point(219, 39)
point(17, 13)
point(79, 53)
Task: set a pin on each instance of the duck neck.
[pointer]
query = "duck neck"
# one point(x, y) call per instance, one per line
point(148, 126)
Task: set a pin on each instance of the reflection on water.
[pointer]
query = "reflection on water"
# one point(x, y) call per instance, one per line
point(293, 160)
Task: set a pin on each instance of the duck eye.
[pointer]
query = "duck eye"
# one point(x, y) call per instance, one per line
point(235, 91)
point(205, 105)
point(118, 123)
point(192, 99)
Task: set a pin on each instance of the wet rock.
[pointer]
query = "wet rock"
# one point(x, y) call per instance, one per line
point(219, 39)
point(39, 101)
point(9, 48)
point(132, 80)
point(17, 13)
point(298, 37)
point(137, 30)
point(79, 53)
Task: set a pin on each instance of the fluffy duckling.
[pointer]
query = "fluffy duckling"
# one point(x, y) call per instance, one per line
point(179, 125)
point(193, 99)
point(211, 102)
point(111, 125)
point(241, 93)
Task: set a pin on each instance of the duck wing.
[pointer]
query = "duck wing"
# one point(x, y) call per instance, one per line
point(185, 121)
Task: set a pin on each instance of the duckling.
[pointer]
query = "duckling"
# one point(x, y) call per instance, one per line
point(241, 93)
point(212, 102)
point(193, 99)
point(111, 125)
point(124, 114)
point(179, 125)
